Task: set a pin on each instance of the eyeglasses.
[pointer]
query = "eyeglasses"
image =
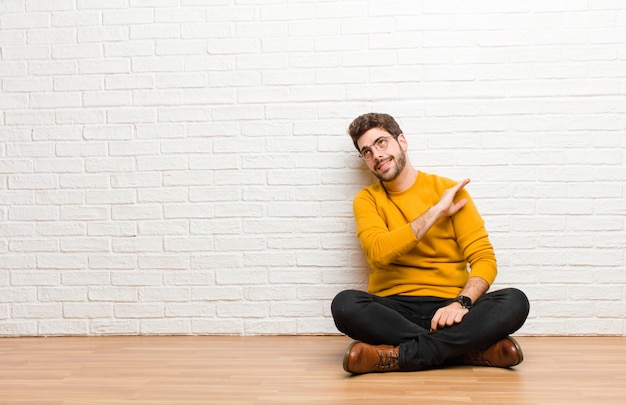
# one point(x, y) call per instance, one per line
point(380, 144)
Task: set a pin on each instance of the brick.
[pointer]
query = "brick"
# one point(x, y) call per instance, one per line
point(164, 294)
point(129, 82)
point(216, 226)
point(59, 166)
point(217, 294)
point(79, 278)
point(114, 327)
point(163, 163)
point(75, 51)
point(62, 261)
point(63, 327)
point(40, 213)
point(241, 310)
point(17, 198)
point(37, 311)
point(180, 15)
point(110, 132)
point(77, 83)
point(180, 47)
point(22, 53)
point(112, 262)
point(60, 229)
point(216, 326)
point(186, 244)
point(114, 294)
point(102, 34)
point(85, 244)
point(131, 115)
point(136, 212)
point(16, 166)
point(34, 245)
point(53, 68)
point(187, 178)
point(87, 310)
point(157, 64)
point(128, 17)
point(172, 194)
point(13, 101)
point(188, 211)
point(186, 310)
point(138, 311)
point(24, 20)
point(165, 326)
point(74, 181)
point(136, 279)
point(136, 180)
point(264, 326)
point(70, 18)
point(163, 262)
point(29, 118)
point(192, 278)
point(155, 31)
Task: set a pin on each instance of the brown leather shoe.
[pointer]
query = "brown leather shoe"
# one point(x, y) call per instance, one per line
point(504, 353)
point(362, 358)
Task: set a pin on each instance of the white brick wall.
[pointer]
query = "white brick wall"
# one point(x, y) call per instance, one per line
point(182, 167)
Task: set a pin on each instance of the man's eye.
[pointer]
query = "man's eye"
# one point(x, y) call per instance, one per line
point(367, 154)
point(381, 143)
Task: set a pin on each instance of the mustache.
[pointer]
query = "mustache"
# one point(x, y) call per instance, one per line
point(380, 161)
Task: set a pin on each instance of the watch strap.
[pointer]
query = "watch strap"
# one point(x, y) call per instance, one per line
point(466, 302)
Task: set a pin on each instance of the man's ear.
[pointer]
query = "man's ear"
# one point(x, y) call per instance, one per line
point(403, 142)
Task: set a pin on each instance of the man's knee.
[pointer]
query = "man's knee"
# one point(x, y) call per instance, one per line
point(518, 307)
point(514, 301)
point(519, 300)
point(343, 303)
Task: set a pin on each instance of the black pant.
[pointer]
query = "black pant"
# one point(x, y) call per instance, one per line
point(405, 321)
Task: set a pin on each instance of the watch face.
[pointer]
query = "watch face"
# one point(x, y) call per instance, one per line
point(465, 301)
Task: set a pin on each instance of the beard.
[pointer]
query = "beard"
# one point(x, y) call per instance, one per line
point(393, 172)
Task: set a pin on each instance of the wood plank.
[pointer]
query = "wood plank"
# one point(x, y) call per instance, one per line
point(293, 370)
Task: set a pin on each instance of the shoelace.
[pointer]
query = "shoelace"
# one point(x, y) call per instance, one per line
point(387, 359)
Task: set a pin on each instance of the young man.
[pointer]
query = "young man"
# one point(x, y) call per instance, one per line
point(431, 264)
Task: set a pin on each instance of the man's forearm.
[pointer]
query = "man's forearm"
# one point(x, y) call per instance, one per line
point(424, 222)
point(474, 288)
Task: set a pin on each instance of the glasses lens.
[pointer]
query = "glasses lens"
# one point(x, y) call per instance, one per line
point(381, 144)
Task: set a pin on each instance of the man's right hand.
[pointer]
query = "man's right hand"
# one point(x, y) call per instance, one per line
point(446, 205)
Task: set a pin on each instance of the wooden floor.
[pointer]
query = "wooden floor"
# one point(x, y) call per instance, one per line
point(293, 370)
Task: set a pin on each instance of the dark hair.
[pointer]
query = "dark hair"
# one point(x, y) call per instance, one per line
point(365, 122)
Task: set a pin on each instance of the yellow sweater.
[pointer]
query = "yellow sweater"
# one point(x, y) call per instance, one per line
point(437, 265)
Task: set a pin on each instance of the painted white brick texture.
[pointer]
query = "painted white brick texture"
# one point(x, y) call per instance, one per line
point(182, 167)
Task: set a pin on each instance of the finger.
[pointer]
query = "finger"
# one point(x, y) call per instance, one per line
point(454, 190)
point(436, 321)
point(459, 317)
point(451, 320)
point(433, 323)
point(446, 320)
point(465, 182)
point(461, 184)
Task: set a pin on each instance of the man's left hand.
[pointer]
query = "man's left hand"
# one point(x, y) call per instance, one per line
point(448, 316)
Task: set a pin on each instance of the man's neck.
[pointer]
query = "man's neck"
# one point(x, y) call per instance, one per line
point(404, 181)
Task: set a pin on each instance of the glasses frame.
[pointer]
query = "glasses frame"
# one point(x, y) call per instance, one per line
point(368, 148)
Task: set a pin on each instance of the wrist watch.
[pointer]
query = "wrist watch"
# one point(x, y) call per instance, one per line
point(466, 302)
